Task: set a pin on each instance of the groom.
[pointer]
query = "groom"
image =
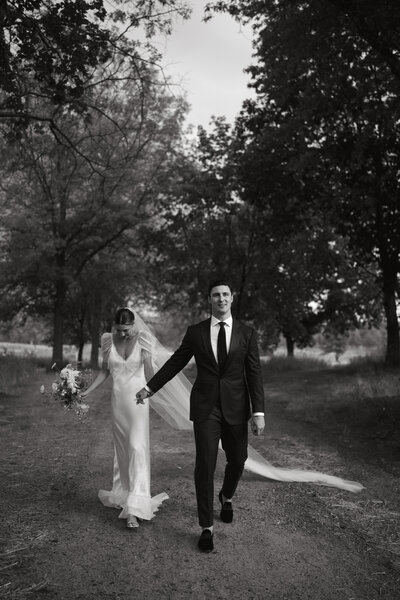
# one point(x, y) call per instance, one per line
point(228, 383)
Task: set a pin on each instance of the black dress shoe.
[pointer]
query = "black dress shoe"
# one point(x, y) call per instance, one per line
point(226, 513)
point(205, 542)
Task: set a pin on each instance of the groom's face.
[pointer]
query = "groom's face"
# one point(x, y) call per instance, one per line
point(220, 299)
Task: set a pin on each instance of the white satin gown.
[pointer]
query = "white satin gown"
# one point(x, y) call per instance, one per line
point(130, 424)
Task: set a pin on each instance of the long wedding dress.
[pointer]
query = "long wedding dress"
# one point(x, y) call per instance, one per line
point(130, 425)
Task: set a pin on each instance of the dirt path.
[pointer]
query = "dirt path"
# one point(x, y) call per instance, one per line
point(287, 541)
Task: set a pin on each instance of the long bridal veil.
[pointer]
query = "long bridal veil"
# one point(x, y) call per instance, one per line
point(172, 404)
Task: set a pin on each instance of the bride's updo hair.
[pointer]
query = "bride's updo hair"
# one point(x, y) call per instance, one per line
point(124, 316)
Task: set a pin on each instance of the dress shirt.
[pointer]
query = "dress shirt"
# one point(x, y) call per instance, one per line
point(214, 331)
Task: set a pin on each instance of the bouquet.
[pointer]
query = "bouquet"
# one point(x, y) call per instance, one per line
point(70, 381)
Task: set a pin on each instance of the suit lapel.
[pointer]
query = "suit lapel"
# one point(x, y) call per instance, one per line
point(235, 337)
point(207, 340)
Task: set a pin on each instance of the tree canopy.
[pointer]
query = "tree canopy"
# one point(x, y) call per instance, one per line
point(54, 54)
point(326, 78)
point(60, 214)
point(297, 203)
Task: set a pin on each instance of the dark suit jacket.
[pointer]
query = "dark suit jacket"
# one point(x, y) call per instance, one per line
point(239, 384)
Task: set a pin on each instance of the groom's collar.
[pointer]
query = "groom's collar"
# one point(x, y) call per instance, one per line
point(215, 321)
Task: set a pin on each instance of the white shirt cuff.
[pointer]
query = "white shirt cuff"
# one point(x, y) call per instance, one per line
point(146, 387)
point(258, 414)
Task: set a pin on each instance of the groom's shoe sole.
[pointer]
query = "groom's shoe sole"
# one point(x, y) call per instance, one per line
point(205, 543)
point(226, 513)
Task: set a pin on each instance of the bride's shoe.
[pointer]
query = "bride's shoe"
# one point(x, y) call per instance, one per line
point(132, 522)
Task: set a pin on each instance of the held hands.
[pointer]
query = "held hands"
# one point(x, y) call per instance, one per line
point(142, 395)
point(258, 424)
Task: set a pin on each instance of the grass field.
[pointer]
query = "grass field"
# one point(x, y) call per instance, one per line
point(39, 351)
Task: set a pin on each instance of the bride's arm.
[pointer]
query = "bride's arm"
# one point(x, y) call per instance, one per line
point(100, 379)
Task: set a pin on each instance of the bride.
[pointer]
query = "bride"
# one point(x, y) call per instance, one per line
point(126, 354)
point(131, 354)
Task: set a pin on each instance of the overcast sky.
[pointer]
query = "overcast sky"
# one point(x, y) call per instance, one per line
point(208, 60)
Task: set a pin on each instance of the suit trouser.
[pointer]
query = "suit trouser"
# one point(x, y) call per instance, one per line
point(234, 443)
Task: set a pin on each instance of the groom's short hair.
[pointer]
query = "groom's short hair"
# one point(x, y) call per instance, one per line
point(217, 282)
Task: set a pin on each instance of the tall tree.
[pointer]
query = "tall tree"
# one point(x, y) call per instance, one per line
point(60, 214)
point(213, 214)
point(331, 93)
point(377, 23)
point(104, 284)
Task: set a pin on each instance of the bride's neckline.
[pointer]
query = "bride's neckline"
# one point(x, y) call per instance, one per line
point(116, 351)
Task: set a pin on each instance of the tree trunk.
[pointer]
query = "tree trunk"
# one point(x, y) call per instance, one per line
point(58, 333)
point(389, 266)
point(60, 282)
point(81, 337)
point(392, 323)
point(80, 352)
point(289, 344)
point(95, 334)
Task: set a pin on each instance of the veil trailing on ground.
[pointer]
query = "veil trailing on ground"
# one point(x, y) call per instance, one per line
point(172, 403)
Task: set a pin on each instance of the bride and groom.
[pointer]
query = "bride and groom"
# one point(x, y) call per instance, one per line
point(227, 390)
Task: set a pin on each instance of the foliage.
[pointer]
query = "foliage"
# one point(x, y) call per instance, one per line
point(65, 223)
point(50, 51)
point(376, 23)
point(326, 123)
point(236, 215)
point(26, 329)
point(198, 219)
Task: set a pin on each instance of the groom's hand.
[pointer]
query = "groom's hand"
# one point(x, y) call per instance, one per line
point(258, 424)
point(142, 395)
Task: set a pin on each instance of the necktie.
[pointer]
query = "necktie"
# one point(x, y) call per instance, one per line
point(221, 345)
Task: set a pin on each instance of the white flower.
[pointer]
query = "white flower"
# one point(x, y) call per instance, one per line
point(70, 375)
point(54, 387)
point(42, 389)
point(84, 408)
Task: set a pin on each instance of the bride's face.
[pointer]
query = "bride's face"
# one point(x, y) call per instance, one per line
point(125, 331)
